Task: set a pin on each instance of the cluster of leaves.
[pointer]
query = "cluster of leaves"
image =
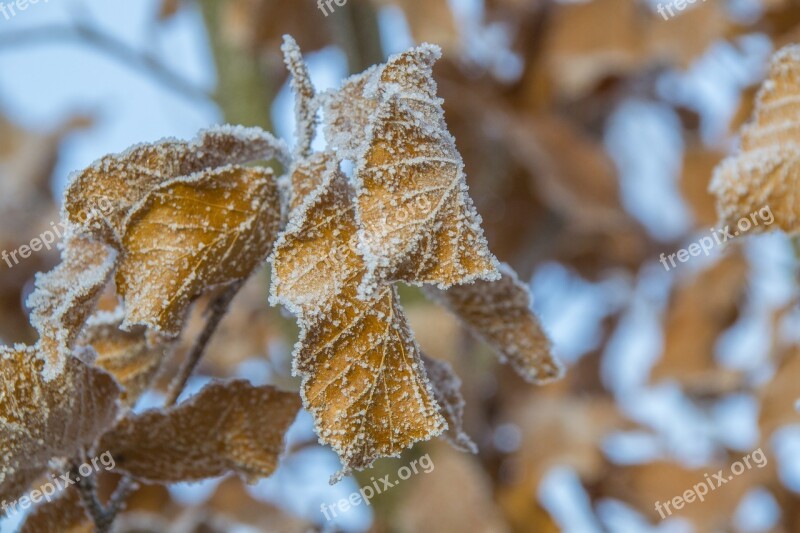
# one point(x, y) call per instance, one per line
point(188, 219)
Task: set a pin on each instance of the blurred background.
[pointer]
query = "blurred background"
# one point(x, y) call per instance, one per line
point(589, 130)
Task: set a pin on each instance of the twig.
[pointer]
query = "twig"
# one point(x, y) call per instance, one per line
point(84, 33)
point(216, 312)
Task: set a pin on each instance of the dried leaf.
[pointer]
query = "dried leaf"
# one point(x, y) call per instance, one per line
point(132, 357)
point(220, 226)
point(226, 427)
point(348, 112)
point(417, 222)
point(447, 390)
point(764, 172)
point(64, 298)
point(456, 493)
point(315, 258)
point(306, 176)
point(100, 199)
point(40, 419)
point(700, 310)
point(65, 514)
point(362, 376)
point(500, 313)
point(305, 107)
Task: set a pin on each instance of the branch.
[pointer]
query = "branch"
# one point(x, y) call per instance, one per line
point(216, 312)
point(83, 33)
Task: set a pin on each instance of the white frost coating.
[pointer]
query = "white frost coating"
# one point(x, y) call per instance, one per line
point(764, 172)
point(500, 313)
point(447, 389)
point(417, 223)
point(306, 103)
point(63, 298)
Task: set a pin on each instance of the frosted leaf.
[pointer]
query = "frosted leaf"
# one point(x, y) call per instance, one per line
point(132, 357)
point(64, 298)
point(315, 257)
point(362, 376)
point(417, 221)
point(306, 176)
point(191, 234)
point(305, 106)
point(447, 390)
point(347, 113)
point(500, 313)
point(100, 198)
point(227, 427)
point(364, 381)
point(764, 172)
point(64, 514)
point(41, 420)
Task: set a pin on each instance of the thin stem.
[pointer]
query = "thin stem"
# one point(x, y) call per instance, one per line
point(216, 311)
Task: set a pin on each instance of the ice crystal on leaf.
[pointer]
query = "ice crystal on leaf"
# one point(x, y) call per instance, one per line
point(64, 298)
point(208, 229)
point(100, 199)
point(40, 420)
point(417, 221)
point(132, 357)
point(221, 429)
point(499, 312)
point(764, 172)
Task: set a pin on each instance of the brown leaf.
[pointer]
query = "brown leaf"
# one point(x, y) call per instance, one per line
point(132, 357)
point(456, 493)
point(191, 234)
point(699, 311)
point(306, 176)
point(417, 222)
point(447, 390)
point(40, 419)
point(226, 427)
point(348, 111)
point(499, 312)
point(763, 174)
point(362, 376)
point(64, 514)
point(101, 198)
point(64, 298)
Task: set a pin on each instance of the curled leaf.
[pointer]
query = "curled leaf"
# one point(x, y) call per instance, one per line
point(132, 357)
point(499, 312)
point(417, 223)
point(64, 298)
point(100, 198)
point(191, 234)
point(447, 389)
point(226, 427)
point(40, 419)
point(763, 175)
point(305, 103)
point(348, 111)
